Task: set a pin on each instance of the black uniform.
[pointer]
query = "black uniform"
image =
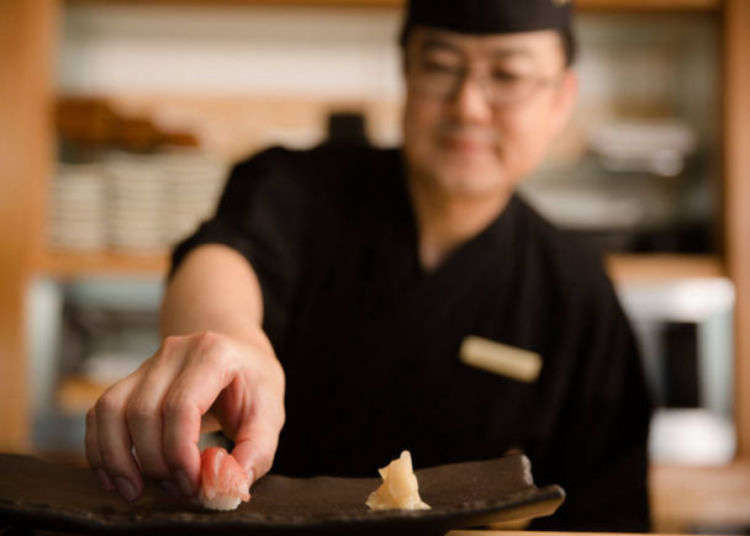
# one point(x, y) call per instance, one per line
point(369, 340)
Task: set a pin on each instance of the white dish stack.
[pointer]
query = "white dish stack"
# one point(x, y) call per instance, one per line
point(193, 184)
point(79, 213)
point(134, 204)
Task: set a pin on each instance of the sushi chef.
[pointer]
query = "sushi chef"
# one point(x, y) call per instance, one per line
point(318, 318)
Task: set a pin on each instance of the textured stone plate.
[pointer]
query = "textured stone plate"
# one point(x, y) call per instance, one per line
point(43, 495)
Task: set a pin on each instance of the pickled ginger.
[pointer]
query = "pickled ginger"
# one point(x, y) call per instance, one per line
point(400, 489)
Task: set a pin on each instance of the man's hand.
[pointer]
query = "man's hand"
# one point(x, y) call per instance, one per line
point(149, 423)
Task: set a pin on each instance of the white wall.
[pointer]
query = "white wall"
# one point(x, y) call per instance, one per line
point(311, 52)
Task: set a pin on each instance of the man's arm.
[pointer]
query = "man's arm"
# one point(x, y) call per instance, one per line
point(215, 288)
point(215, 359)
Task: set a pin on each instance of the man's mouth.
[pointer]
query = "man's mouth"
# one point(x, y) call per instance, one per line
point(466, 140)
point(465, 144)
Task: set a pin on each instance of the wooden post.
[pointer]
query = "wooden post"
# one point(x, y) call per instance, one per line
point(737, 198)
point(28, 29)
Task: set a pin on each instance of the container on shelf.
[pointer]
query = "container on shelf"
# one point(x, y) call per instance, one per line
point(135, 204)
point(78, 217)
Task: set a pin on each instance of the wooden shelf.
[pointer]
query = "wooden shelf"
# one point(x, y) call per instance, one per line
point(648, 5)
point(584, 5)
point(76, 394)
point(626, 268)
point(73, 264)
point(621, 267)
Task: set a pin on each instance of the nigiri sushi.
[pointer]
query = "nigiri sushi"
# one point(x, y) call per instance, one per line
point(224, 483)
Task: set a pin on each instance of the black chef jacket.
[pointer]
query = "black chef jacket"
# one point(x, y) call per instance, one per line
point(369, 340)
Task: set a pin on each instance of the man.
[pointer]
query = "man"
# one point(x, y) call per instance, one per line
point(332, 290)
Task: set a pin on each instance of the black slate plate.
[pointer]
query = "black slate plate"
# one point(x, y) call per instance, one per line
point(43, 495)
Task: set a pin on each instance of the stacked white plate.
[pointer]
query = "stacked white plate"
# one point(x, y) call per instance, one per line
point(137, 204)
point(78, 220)
point(136, 219)
point(193, 183)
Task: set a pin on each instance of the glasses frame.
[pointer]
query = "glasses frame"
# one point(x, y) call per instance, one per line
point(476, 72)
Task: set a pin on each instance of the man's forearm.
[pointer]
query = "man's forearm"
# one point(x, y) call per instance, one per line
point(214, 289)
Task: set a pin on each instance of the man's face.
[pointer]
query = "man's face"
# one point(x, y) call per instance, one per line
point(481, 110)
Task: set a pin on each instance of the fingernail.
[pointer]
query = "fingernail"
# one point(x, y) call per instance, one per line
point(125, 488)
point(170, 487)
point(104, 480)
point(185, 485)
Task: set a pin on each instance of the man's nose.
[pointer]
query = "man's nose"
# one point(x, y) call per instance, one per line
point(470, 101)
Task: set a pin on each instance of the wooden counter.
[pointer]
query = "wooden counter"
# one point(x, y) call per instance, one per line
point(683, 498)
point(584, 5)
point(532, 533)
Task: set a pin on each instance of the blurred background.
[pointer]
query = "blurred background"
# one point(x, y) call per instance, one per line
point(120, 119)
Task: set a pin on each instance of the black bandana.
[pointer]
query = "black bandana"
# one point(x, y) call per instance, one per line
point(487, 16)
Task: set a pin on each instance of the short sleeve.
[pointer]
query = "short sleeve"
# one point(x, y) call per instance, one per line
point(262, 214)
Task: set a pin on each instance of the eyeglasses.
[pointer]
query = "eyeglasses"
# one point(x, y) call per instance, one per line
point(500, 88)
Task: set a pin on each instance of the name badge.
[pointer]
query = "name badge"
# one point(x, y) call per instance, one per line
point(502, 359)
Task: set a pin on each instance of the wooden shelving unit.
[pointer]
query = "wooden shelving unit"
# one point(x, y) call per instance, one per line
point(736, 221)
point(27, 38)
point(66, 264)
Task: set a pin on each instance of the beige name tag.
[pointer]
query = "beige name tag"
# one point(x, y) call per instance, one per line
point(515, 363)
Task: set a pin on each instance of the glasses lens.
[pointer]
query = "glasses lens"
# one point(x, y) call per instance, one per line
point(443, 80)
point(436, 78)
point(503, 88)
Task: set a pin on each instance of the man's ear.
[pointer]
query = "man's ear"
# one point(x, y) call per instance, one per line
point(565, 100)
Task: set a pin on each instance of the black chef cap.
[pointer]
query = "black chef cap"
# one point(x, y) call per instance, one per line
point(488, 16)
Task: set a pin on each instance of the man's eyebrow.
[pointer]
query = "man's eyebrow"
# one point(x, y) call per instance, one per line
point(505, 52)
point(501, 52)
point(436, 43)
